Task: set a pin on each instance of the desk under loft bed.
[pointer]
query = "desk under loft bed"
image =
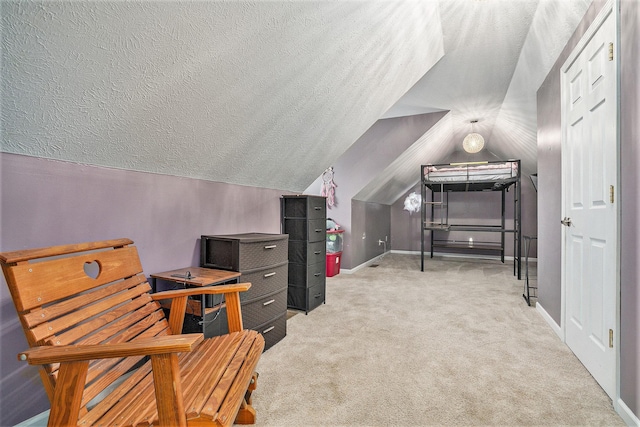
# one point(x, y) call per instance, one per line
point(442, 179)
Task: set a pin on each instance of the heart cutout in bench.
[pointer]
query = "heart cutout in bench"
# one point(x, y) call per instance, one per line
point(92, 269)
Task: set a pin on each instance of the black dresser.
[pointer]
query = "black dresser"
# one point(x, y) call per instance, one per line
point(304, 220)
point(262, 260)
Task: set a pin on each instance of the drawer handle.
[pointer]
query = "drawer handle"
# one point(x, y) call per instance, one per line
point(268, 330)
point(271, 246)
point(268, 302)
point(317, 252)
point(270, 274)
point(317, 274)
point(318, 296)
point(318, 230)
point(318, 208)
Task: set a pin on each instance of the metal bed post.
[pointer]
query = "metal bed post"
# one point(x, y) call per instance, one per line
point(518, 228)
point(503, 225)
point(423, 214)
point(433, 213)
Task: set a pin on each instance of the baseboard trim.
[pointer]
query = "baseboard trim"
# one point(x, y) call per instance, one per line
point(39, 420)
point(363, 265)
point(625, 413)
point(556, 328)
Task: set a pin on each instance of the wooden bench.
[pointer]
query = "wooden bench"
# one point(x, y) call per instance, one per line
point(100, 336)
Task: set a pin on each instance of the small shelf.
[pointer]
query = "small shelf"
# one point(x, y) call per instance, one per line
point(483, 246)
point(487, 228)
point(442, 227)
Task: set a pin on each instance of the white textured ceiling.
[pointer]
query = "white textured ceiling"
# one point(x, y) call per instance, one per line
point(270, 93)
point(497, 54)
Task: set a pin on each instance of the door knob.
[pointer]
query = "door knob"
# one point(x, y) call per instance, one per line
point(566, 222)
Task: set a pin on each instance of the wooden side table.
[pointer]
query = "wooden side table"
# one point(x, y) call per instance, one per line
point(196, 277)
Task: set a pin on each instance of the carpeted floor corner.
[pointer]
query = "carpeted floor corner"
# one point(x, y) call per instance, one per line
point(454, 345)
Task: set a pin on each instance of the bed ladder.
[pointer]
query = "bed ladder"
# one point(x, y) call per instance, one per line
point(440, 222)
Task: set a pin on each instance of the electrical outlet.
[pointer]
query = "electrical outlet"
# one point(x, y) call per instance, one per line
point(364, 236)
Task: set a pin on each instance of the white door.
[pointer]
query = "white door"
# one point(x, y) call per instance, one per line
point(589, 159)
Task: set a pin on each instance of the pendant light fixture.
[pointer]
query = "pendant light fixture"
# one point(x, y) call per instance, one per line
point(473, 142)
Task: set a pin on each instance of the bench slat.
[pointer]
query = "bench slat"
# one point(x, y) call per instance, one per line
point(196, 392)
point(229, 408)
point(128, 332)
point(101, 368)
point(101, 408)
point(30, 254)
point(213, 404)
point(130, 325)
point(44, 282)
point(44, 314)
point(78, 319)
point(92, 319)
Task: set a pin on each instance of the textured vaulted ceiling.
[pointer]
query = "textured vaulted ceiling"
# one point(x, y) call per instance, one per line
point(497, 54)
point(270, 93)
point(262, 93)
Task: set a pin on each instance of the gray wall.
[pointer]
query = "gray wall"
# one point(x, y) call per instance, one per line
point(47, 202)
point(372, 220)
point(549, 205)
point(549, 175)
point(363, 161)
point(629, 200)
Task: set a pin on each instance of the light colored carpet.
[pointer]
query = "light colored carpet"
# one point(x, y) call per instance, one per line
point(454, 345)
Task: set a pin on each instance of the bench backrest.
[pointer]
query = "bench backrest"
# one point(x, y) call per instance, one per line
point(90, 293)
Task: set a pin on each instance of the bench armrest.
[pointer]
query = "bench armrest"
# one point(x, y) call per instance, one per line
point(143, 347)
point(179, 303)
point(74, 363)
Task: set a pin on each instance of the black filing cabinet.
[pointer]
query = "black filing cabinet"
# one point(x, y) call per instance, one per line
point(304, 220)
point(262, 260)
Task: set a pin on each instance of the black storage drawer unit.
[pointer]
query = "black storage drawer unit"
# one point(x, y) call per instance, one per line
point(242, 252)
point(268, 307)
point(263, 261)
point(303, 252)
point(273, 330)
point(314, 230)
point(310, 275)
point(308, 207)
point(305, 298)
point(304, 220)
point(264, 281)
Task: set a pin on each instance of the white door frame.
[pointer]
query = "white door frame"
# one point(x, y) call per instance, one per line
point(611, 7)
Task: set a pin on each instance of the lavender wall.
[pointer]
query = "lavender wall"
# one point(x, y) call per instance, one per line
point(374, 221)
point(629, 202)
point(549, 175)
point(47, 202)
point(549, 206)
point(405, 226)
point(364, 160)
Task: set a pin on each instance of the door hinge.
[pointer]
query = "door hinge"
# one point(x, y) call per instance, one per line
point(610, 51)
point(610, 338)
point(611, 193)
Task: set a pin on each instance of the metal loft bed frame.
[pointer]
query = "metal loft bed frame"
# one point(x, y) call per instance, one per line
point(442, 179)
